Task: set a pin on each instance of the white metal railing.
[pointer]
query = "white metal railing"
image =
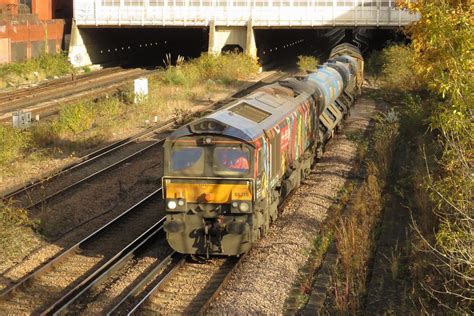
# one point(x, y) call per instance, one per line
point(263, 13)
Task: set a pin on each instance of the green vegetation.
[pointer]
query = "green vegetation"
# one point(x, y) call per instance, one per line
point(36, 69)
point(356, 232)
point(85, 124)
point(12, 143)
point(402, 77)
point(307, 63)
point(436, 149)
point(225, 68)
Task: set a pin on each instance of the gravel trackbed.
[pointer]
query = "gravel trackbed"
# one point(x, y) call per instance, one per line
point(263, 281)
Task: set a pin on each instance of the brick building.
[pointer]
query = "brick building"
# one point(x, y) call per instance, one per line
point(28, 28)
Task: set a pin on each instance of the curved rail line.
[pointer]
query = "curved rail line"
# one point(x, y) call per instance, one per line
point(88, 159)
point(44, 99)
point(134, 298)
point(123, 218)
point(103, 271)
point(106, 270)
point(28, 92)
point(100, 153)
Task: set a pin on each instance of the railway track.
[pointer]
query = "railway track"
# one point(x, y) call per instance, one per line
point(40, 184)
point(46, 98)
point(189, 287)
point(125, 281)
point(83, 267)
point(27, 92)
point(27, 190)
point(47, 287)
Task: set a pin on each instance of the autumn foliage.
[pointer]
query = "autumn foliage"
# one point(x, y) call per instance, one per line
point(442, 42)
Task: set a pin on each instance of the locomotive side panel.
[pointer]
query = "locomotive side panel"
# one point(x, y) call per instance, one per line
point(227, 173)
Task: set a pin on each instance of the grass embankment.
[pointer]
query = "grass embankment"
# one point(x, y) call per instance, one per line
point(45, 66)
point(356, 232)
point(437, 146)
point(350, 232)
point(430, 83)
point(86, 125)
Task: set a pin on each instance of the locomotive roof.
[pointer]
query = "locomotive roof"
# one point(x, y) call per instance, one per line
point(247, 118)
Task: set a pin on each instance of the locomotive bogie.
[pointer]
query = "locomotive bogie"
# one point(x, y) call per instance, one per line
point(191, 234)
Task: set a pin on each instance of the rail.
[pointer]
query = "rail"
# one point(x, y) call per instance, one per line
point(23, 282)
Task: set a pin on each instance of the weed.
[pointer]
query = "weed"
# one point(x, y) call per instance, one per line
point(356, 233)
point(322, 242)
point(75, 118)
point(16, 231)
point(12, 143)
point(44, 134)
point(398, 71)
point(44, 66)
point(12, 216)
point(307, 63)
point(225, 68)
point(395, 262)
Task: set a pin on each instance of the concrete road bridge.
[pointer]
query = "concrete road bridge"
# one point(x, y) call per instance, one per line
point(229, 22)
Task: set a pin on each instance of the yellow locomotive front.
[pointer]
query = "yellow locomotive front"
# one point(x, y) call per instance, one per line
point(208, 189)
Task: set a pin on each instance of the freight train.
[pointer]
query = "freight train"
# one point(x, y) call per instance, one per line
point(226, 174)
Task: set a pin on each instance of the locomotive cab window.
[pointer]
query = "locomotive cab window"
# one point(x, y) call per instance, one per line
point(233, 160)
point(188, 160)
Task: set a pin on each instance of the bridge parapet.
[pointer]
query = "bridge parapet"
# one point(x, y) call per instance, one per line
point(262, 13)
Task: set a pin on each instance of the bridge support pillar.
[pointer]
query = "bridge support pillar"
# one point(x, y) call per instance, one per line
point(221, 37)
point(78, 54)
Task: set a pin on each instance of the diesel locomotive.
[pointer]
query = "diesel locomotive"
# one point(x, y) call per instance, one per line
point(226, 174)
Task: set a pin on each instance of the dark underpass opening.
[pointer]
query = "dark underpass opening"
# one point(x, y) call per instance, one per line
point(155, 47)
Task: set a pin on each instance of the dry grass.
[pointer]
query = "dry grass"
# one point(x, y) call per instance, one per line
point(17, 236)
point(80, 128)
point(85, 125)
point(356, 233)
point(224, 68)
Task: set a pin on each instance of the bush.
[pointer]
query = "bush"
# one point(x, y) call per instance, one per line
point(307, 63)
point(175, 76)
point(46, 65)
point(12, 143)
point(227, 68)
point(53, 65)
point(76, 118)
point(374, 65)
point(11, 216)
point(398, 71)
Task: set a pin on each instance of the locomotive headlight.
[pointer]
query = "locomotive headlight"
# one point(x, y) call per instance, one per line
point(235, 204)
point(244, 207)
point(172, 205)
point(181, 202)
